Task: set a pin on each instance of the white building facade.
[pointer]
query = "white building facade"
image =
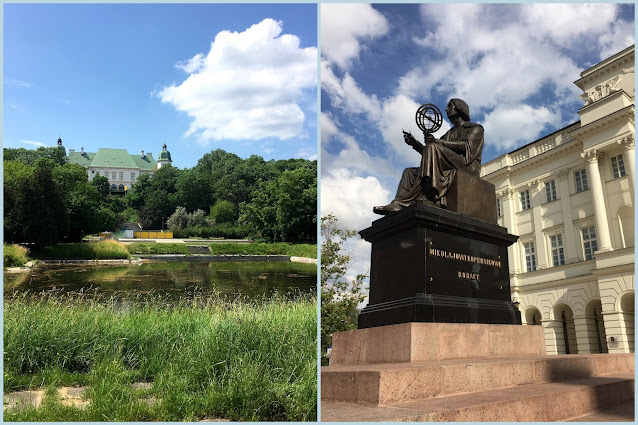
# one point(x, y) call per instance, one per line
point(569, 196)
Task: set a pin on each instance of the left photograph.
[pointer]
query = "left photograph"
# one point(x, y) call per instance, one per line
point(160, 212)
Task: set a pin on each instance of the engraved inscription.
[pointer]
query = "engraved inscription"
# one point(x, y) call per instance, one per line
point(464, 257)
point(470, 276)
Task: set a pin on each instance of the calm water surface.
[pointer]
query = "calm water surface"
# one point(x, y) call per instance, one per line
point(251, 280)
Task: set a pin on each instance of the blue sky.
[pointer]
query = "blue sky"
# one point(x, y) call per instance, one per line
point(134, 76)
point(513, 64)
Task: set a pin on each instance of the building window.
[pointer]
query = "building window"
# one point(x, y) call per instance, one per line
point(618, 166)
point(581, 180)
point(525, 205)
point(550, 190)
point(558, 254)
point(113, 187)
point(121, 188)
point(530, 256)
point(589, 242)
point(121, 176)
point(132, 177)
point(113, 175)
point(499, 213)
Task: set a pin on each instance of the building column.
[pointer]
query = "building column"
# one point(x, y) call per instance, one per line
point(615, 328)
point(553, 336)
point(539, 241)
point(569, 238)
point(509, 212)
point(584, 329)
point(628, 143)
point(600, 211)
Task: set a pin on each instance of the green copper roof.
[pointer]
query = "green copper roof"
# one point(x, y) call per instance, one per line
point(114, 158)
point(146, 164)
point(164, 155)
point(83, 159)
point(117, 158)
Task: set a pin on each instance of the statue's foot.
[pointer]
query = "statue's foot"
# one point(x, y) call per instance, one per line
point(387, 209)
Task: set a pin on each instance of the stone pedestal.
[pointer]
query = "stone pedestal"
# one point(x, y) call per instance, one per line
point(433, 265)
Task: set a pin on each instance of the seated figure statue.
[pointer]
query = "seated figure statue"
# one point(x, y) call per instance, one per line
point(459, 149)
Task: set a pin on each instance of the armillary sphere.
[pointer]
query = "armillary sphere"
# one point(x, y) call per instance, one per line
point(428, 118)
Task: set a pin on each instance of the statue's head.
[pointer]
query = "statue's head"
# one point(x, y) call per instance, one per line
point(461, 108)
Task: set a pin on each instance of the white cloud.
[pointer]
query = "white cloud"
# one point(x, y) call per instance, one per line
point(249, 85)
point(620, 37)
point(32, 142)
point(17, 83)
point(509, 125)
point(351, 197)
point(562, 23)
point(343, 26)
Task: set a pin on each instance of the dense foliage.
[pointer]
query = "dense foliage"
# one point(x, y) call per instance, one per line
point(339, 297)
point(48, 200)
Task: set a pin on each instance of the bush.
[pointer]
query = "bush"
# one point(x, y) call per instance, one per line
point(279, 248)
point(15, 255)
point(102, 250)
point(223, 212)
point(214, 231)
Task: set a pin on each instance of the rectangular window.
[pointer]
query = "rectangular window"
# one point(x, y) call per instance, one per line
point(550, 190)
point(525, 205)
point(558, 254)
point(581, 180)
point(530, 256)
point(113, 175)
point(618, 166)
point(499, 213)
point(132, 177)
point(121, 176)
point(589, 242)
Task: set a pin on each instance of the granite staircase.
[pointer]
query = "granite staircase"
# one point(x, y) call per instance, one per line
point(466, 372)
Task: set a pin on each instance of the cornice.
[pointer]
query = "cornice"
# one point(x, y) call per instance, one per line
point(626, 59)
point(600, 124)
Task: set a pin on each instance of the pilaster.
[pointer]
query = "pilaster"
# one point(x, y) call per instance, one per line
point(600, 211)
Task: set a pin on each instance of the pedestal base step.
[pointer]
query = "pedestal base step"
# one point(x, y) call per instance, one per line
point(556, 401)
point(400, 382)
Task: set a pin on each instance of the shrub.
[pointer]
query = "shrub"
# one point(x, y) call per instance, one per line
point(102, 250)
point(15, 255)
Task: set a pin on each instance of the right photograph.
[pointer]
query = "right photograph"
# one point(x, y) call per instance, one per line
point(477, 212)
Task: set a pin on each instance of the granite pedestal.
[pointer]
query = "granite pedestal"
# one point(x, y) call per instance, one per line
point(433, 265)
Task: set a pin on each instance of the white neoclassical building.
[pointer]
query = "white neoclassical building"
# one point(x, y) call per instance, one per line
point(569, 196)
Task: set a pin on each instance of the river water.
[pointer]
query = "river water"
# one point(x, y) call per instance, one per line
point(173, 280)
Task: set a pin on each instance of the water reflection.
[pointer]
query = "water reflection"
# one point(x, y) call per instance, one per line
point(174, 280)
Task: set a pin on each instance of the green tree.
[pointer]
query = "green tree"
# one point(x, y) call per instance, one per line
point(339, 297)
point(223, 212)
point(37, 212)
point(102, 185)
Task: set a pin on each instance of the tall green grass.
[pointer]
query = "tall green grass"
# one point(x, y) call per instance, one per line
point(278, 248)
point(206, 358)
point(102, 250)
point(15, 255)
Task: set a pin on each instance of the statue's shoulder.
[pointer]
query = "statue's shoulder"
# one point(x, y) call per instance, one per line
point(468, 124)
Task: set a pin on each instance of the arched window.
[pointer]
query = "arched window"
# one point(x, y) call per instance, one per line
point(113, 187)
point(121, 188)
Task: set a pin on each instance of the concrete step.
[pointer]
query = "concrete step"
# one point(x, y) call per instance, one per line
point(555, 401)
point(400, 382)
point(199, 249)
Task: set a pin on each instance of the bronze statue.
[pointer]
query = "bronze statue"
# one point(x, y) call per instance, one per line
point(459, 149)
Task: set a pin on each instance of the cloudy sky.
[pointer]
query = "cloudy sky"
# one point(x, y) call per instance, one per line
point(199, 77)
point(513, 64)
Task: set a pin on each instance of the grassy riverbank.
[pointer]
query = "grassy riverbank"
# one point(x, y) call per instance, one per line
point(15, 255)
point(205, 358)
point(102, 250)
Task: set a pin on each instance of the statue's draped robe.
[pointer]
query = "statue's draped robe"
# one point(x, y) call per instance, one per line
point(460, 149)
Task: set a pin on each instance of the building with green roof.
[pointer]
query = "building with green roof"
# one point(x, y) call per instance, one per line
point(121, 168)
